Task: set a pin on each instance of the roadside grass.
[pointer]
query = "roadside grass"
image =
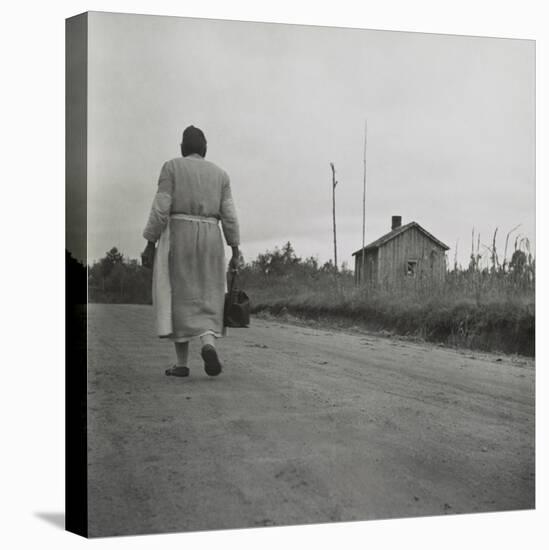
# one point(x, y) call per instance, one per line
point(495, 319)
point(489, 306)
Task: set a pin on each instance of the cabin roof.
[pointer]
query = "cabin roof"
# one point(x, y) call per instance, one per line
point(398, 231)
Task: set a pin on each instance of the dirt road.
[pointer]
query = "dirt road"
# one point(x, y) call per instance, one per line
point(303, 426)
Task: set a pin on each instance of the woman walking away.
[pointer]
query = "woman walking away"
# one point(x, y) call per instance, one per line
point(185, 249)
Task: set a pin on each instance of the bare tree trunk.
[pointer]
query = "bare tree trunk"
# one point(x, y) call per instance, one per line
point(494, 252)
point(363, 255)
point(334, 183)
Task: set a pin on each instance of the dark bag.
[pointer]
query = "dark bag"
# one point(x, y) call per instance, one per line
point(237, 306)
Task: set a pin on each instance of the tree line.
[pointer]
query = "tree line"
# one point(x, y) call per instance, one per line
point(117, 279)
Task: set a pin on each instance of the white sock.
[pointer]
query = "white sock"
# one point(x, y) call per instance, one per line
point(182, 352)
point(208, 339)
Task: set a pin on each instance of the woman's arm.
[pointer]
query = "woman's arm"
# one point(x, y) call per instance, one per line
point(229, 223)
point(159, 214)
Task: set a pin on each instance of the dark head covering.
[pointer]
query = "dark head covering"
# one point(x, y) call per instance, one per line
point(193, 142)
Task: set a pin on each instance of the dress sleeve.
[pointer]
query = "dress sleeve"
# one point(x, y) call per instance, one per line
point(161, 206)
point(229, 220)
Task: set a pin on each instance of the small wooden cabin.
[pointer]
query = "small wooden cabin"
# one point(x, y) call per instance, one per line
point(406, 257)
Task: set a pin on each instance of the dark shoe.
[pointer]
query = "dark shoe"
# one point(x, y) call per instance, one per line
point(212, 365)
point(177, 371)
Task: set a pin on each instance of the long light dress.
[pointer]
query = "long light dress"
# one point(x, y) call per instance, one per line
point(189, 269)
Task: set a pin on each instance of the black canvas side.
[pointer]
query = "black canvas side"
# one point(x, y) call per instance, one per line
point(76, 478)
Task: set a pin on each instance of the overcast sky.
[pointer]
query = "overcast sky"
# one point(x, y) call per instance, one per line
point(451, 129)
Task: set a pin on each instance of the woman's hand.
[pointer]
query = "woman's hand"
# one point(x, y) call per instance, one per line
point(147, 257)
point(235, 259)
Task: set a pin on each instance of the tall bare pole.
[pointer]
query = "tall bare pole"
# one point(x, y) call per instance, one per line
point(364, 203)
point(334, 184)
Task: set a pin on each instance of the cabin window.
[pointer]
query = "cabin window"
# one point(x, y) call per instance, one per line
point(411, 268)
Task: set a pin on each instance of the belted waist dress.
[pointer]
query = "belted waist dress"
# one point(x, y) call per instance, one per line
point(192, 211)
